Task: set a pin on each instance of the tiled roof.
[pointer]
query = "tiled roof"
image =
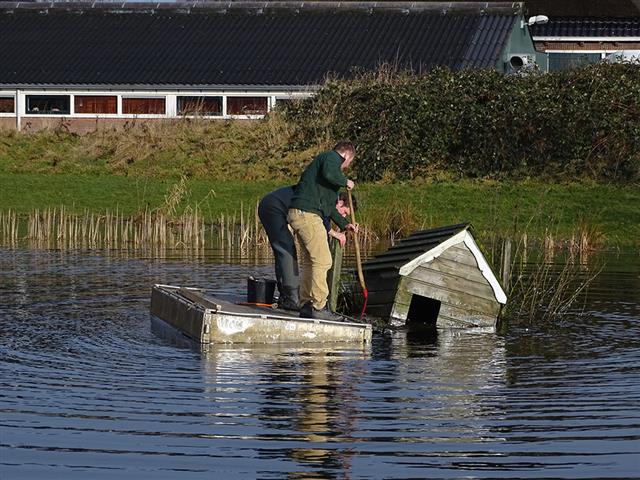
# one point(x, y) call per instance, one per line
point(240, 44)
point(583, 8)
point(576, 27)
point(411, 247)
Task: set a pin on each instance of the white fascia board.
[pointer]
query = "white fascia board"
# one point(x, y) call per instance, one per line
point(485, 269)
point(150, 93)
point(586, 39)
point(466, 238)
point(262, 89)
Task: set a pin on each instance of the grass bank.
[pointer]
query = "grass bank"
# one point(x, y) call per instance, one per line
point(608, 213)
point(194, 148)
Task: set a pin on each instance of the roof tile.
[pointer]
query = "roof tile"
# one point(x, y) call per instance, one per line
point(210, 47)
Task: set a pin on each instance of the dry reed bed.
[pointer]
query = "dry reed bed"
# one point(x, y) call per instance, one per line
point(57, 228)
point(546, 279)
point(540, 287)
point(240, 231)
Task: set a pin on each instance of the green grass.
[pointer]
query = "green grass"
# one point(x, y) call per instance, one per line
point(24, 192)
point(492, 207)
point(610, 210)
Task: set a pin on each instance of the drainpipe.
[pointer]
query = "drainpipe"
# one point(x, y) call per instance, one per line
point(18, 105)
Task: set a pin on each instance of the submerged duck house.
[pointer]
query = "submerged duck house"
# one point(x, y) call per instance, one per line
point(436, 277)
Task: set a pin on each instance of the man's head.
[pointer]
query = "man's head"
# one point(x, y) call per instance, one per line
point(342, 205)
point(347, 151)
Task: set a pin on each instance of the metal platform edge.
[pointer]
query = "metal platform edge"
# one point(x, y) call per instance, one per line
point(202, 319)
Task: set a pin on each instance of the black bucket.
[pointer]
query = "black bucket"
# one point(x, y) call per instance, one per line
point(260, 290)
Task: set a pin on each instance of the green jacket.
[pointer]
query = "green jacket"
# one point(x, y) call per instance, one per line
point(317, 190)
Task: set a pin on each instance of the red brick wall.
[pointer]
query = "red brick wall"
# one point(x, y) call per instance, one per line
point(7, 123)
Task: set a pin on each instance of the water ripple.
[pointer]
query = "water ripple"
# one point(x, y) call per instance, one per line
point(90, 387)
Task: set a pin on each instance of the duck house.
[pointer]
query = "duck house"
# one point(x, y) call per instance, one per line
point(436, 277)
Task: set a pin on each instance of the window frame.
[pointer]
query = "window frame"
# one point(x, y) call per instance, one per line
point(603, 53)
point(268, 108)
point(170, 97)
point(45, 113)
point(12, 96)
point(125, 97)
point(93, 115)
point(220, 97)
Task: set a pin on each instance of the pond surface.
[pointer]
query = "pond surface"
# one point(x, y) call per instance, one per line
point(91, 388)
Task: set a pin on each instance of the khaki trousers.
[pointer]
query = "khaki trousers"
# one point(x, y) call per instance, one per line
point(315, 257)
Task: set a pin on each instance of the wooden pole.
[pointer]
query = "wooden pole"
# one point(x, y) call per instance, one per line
point(506, 264)
point(334, 274)
point(365, 293)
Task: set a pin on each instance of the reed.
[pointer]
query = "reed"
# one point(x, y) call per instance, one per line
point(542, 288)
point(584, 240)
point(391, 223)
point(59, 229)
point(9, 224)
point(241, 231)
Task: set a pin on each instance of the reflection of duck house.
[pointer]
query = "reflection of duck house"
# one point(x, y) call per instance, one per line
point(435, 277)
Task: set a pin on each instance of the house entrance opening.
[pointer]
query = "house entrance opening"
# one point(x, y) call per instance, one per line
point(423, 311)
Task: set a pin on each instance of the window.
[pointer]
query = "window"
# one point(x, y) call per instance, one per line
point(246, 105)
point(48, 104)
point(95, 104)
point(200, 106)
point(565, 61)
point(7, 105)
point(143, 106)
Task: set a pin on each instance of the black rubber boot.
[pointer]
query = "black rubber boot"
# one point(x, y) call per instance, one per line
point(306, 310)
point(288, 299)
point(326, 314)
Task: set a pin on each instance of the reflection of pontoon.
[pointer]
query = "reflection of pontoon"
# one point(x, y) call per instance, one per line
point(220, 319)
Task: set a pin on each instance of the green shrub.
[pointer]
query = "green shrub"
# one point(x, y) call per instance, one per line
point(481, 123)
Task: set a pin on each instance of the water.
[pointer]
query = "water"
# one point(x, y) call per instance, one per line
point(90, 387)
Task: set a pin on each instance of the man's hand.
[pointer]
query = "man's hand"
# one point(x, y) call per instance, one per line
point(353, 227)
point(350, 185)
point(341, 237)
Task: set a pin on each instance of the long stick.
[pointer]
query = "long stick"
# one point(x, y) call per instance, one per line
point(365, 293)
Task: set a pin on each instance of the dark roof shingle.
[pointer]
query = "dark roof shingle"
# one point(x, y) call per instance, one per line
point(207, 47)
point(413, 246)
point(576, 27)
point(583, 8)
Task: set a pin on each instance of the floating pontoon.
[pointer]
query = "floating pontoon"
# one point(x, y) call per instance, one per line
point(209, 317)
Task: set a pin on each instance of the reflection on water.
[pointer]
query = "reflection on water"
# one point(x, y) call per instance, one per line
point(90, 387)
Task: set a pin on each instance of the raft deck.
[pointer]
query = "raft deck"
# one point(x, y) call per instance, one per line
point(210, 317)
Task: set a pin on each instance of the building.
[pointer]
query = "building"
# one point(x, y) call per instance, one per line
point(86, 65)
point(437, 277)
point(581, 32)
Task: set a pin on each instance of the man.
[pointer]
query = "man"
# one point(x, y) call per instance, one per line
point(272, 211)
point(315, 198)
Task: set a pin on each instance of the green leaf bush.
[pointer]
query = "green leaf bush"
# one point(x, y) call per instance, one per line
point(575, 124)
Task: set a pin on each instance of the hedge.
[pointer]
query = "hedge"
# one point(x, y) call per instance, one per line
point(580, 123)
